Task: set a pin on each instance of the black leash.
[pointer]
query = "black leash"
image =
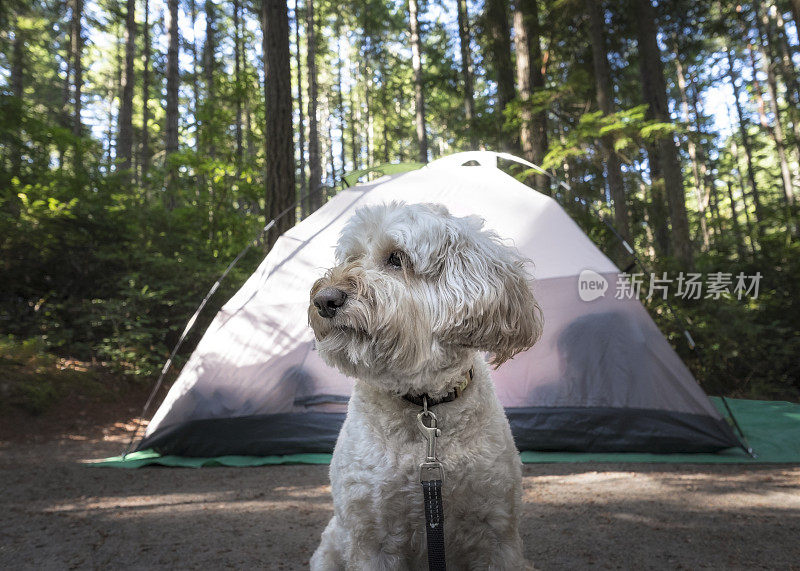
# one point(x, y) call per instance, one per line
point(431, 476)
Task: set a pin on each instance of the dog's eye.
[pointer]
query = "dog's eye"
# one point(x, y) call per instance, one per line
point(395, 260)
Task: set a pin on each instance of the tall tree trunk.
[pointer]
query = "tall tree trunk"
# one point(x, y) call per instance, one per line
point(314, 157)
point(788, 71)
point(740, 181)
point(716, 219)
point(237, 72)
point(66, 86)
point(533, 127)
point(76, 55)
point(125, 130)
point(248, 128)
point(776, 130)
point(743, 189)
point(18, 61)
point(605, 101)
point(340, 95)
point(209, 71)
point(195, 76)
point(278, 133)
point(354, 143)
point(465, 40)
point(702, 158)
point(383, 103)
point(146, 94)
point(11, 201)
point(737, 232)
point(746, 144)
point(18, 89)
point(368, 112)
point(499, 40)
point(173, 85)
point(65, 119)
point(330, 149)
point(695, 154)
point(655, 95)
point(301, 123)
point(419, 93)
point(108, 145)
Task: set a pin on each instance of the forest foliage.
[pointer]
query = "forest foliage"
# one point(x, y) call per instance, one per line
point(143, 145)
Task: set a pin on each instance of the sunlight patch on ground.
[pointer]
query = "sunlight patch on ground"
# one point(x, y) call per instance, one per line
point(773, 490)
point(305, 492)
point(183, 504)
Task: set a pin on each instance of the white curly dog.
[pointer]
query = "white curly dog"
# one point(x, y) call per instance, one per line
point(415, 299)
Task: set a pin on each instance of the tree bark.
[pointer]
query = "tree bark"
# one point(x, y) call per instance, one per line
point(314, 157)
point(173, 85)
point(746, 144)
point(65, 118)
point(367, 118)
point(18, 58)
point(776, 130)
point(340, 94)
point(605, 101)
point(330, 149)
point(209, 71)
point(533, 127)
point(655, 95)
point(788, 71)
point(237, 73)
point(301, 123)
point(419, 93)
point(18, 90)
point(737, 232)
point(278, 133)
point(465, 40)
point(76, 55)
point(695, 154)
point(18, 62)
point(354, 143)
point(499, 40)
point(195, 77)
point(125, 129)
point(146, 94)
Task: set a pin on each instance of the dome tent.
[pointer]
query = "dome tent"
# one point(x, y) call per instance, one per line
point(602, 378)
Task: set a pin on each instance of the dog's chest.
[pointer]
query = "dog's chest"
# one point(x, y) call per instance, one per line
point(384, 460)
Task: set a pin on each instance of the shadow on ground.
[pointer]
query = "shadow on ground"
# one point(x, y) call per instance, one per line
point(56, 513)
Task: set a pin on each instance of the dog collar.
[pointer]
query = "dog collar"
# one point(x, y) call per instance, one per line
point(449, 397)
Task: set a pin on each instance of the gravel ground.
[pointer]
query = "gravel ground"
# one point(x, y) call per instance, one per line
point(56, 513)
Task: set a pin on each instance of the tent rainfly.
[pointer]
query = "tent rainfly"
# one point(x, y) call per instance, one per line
point(603, 378)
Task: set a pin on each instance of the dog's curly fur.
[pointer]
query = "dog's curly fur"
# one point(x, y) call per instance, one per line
point(426, 293)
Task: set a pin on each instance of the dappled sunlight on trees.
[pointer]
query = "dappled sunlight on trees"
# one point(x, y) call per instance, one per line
point(144, 143)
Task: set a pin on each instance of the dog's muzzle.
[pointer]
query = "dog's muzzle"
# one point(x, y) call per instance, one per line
point(328, 300)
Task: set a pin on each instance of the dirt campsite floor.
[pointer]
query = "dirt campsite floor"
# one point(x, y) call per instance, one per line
point(56, 513)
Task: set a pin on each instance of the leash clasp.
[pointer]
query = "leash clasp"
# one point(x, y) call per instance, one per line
point(431, 469)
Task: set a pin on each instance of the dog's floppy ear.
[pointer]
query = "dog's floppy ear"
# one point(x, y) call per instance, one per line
point(486, 284)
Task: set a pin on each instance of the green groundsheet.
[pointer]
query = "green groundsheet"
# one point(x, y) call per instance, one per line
point(772, 429)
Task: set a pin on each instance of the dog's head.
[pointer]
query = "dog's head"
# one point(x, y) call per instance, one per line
point(417, 291)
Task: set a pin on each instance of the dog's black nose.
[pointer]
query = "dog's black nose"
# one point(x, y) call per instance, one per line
point(328, 300)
